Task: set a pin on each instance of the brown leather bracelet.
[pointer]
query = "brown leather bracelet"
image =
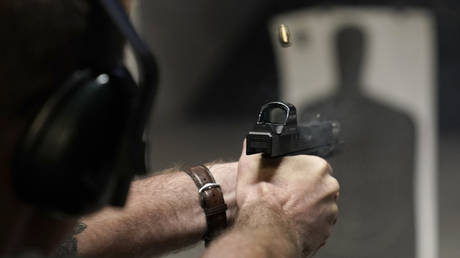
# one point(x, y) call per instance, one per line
point(211, 200)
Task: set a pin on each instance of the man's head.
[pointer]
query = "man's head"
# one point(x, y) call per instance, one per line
point(43, 42)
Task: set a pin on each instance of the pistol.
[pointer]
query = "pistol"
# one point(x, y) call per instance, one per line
point(276, 133)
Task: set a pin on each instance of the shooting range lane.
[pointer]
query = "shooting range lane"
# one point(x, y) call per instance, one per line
point(387, 168)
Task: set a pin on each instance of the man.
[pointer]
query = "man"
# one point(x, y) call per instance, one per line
point(276, 208)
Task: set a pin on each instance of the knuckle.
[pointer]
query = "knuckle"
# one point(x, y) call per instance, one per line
point(335, 209)
point(323, 165)
point(317, 163)
point(333, 184)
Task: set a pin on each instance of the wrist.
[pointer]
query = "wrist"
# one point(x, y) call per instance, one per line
point(225, 176)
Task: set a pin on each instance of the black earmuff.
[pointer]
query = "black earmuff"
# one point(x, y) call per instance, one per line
point(77, 154)
point(67, 155)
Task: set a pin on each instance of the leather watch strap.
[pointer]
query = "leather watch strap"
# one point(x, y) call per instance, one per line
point(211, 200)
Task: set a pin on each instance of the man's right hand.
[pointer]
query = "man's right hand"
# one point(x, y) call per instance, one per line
point(300, 190)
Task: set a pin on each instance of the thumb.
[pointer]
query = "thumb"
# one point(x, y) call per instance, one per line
point(243, 151)
point(248, 166)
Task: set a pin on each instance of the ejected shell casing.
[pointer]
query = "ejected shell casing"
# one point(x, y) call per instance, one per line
point(284, 36)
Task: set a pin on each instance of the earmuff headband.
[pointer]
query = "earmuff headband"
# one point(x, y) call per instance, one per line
point(146, 66)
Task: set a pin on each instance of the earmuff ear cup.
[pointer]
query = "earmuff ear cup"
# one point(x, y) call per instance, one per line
point(65, 163)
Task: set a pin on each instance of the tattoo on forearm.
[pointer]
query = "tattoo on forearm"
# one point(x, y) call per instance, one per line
point(69, 247)
point(80, 227)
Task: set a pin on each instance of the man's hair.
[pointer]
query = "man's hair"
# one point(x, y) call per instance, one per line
point(42, 42)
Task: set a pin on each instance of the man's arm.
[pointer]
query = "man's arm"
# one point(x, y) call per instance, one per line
point(162, 214)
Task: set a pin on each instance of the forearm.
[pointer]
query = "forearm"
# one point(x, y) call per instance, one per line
point(259, 231)
point(162, 214)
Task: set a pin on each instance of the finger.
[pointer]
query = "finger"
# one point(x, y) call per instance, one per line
point(330, 169)
point(244, 154)
point(332, 186)
point(326, 166)
point(248, 166)
point(243, 151)
point(333, 212)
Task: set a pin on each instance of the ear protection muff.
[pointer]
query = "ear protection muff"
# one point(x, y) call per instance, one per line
point(81, 150)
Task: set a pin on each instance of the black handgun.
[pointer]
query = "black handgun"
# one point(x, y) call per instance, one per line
point(277, 134)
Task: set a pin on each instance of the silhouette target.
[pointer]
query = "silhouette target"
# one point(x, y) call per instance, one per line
point(375, 166)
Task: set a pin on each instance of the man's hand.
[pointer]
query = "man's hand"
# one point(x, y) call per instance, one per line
point(287, 207)
point(300, 188)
